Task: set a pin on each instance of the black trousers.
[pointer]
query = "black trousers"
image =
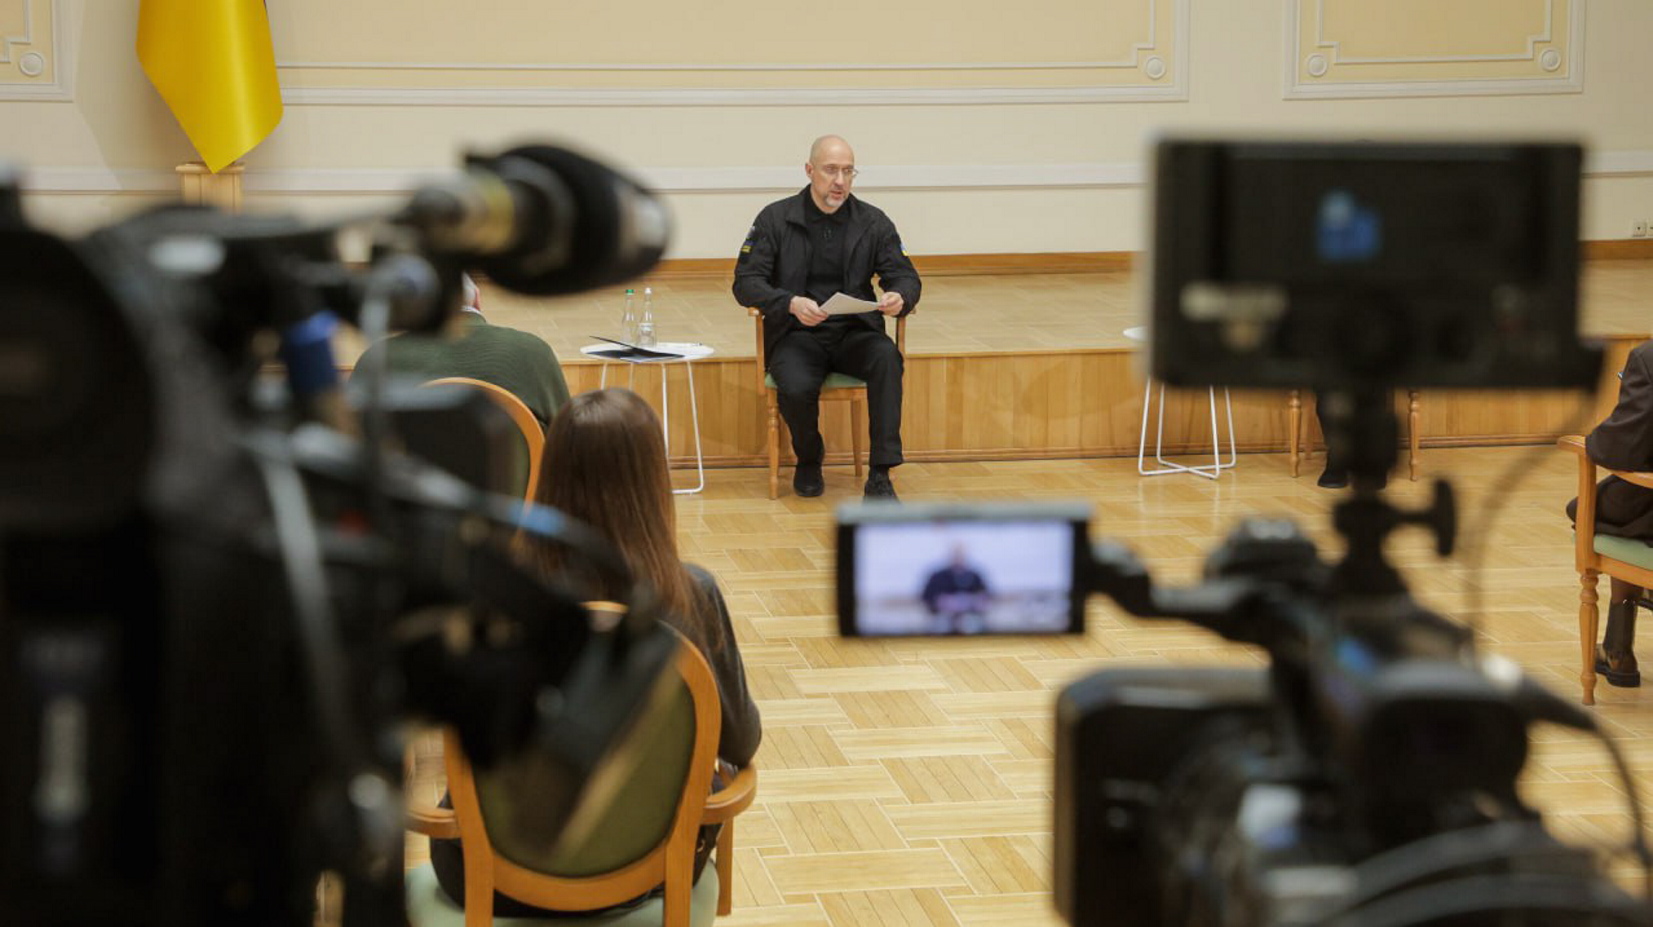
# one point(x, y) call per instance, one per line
point(800, 362)
point(1326, 432)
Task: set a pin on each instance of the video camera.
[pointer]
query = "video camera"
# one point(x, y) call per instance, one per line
point(220, 598)
point(1368, 775)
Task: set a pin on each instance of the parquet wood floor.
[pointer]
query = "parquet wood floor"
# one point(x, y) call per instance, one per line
point(909, 782)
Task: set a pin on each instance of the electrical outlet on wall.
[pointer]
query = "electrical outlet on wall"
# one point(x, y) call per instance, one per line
point(1638, 228)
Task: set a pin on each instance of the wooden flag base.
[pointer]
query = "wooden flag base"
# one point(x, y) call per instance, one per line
point(202, 187)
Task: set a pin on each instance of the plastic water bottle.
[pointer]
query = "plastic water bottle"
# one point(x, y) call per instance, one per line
point(628, 322)
point(645, 325)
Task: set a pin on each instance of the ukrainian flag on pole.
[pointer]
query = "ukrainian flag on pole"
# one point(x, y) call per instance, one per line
point(213, 63)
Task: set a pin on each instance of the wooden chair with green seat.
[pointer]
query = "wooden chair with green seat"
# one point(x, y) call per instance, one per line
point(838, 386)
point(645, 837)
point(533, 435)
point(1294, 431)
point(1593, 554)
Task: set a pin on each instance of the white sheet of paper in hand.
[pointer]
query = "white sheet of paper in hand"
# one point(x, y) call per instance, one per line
point(841, 304)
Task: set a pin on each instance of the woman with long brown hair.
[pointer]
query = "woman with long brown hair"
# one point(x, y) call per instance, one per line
point(605, 464)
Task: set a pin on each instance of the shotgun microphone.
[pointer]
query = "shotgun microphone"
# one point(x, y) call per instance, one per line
point(543, 220)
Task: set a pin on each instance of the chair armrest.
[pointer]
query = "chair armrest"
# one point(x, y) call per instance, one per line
point(432, 821)
point(1575, 443)
point(733, 798)
point(754, 312)
point(1640, 478)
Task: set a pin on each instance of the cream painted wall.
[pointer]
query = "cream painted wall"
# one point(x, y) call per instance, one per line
point(974, 155)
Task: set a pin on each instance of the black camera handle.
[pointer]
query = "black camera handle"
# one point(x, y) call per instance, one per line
point(1245, 609)
point(1362, 432)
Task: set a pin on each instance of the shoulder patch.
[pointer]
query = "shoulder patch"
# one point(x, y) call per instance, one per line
point(751, 237)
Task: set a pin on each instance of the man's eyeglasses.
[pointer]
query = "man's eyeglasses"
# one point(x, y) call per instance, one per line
point(848, 173)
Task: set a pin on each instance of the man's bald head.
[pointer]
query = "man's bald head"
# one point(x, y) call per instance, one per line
point(828, 146)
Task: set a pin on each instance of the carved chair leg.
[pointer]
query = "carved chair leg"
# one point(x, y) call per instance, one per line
point(774, 449)
point(1588, 621)
point(1294, 425)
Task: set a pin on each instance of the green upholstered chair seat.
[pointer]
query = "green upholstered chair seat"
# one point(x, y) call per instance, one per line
point(635, 821)
point(1628, 550)
point(429, 906)
point(833, 381)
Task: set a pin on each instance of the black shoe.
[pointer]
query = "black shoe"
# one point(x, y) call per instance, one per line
point(1333, 479)
point(879, 487)
point(1619, 669)
point(1615, 661)
point(807, 482)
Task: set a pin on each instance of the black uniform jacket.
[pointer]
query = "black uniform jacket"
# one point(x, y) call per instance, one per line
point(1624, 441)
point(773, 265)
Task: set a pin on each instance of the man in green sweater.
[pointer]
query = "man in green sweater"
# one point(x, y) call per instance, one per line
point(516, 360)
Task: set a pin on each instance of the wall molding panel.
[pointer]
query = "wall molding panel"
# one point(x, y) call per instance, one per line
point(34, 51)
point(757, 97)
point(1105, 51)
point(1421, 48)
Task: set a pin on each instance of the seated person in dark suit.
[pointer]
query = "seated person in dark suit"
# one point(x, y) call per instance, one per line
point(516, 360)
point(800, 252)
point(1624, 441)
point(956, 596)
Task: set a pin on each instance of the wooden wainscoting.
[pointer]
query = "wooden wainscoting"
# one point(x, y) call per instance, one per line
point(1063, 404)
point(1069, 262)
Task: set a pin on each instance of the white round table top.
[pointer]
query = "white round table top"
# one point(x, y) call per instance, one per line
point(684, 351)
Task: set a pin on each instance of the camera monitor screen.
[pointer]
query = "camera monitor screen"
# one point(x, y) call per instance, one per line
point(962, 570)
point(1367, 264)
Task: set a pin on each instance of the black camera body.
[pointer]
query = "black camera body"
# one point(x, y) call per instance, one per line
point(223, 597)
point(1368, 774)
point(1372, 764)
point(1120, 735)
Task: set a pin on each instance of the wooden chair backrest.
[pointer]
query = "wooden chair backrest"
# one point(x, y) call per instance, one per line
point(646, 837)
point(533, 435)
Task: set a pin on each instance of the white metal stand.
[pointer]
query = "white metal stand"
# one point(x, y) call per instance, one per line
point(1211, 470)
point(687, 354)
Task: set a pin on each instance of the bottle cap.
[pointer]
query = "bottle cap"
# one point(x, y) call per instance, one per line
point(630, 291)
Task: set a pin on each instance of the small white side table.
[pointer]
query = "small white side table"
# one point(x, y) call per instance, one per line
point(1211, 470)
point(685, 354)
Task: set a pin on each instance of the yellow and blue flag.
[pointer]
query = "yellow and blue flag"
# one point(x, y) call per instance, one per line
point(214, 64)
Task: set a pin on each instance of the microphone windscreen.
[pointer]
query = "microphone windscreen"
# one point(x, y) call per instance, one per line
point(619, 228)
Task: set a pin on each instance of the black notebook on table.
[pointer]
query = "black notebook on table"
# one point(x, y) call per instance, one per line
point(625, 350)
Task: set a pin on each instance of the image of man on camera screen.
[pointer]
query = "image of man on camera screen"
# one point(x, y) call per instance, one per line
point(927, 578)
point(956, 596)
